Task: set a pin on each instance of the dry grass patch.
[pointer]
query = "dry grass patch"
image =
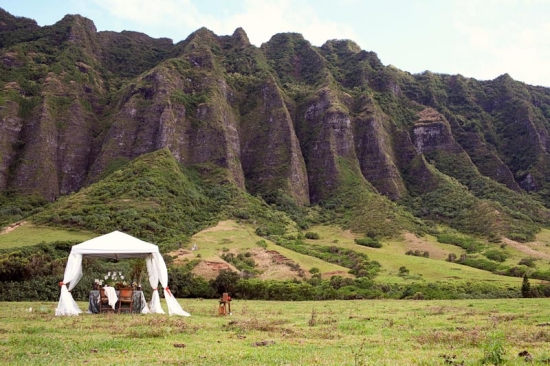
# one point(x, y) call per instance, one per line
point(461, 337)
point(527, 248)
point(413, 242)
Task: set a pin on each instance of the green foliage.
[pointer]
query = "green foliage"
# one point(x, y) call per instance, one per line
point(270, 229)
point(425, 254)
point(358, 263)
point(496, 255)
point(468, 243)
point(403, 271)
point(243, 262)
point(262, 243)
point(493, 350)
point(155, 199)
point(529, 262)
point(14, 207)
point(368, 242)
point(312, 235)
point(525, 287)
point(129, 54)
point(314, 270)
point(481, 263)
point(226, 281)
point(184, 284)
point(33, 272)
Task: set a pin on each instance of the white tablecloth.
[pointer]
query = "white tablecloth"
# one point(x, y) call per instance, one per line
point(111, 295)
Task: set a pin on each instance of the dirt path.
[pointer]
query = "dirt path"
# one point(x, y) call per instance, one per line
point(527, 249)
point(12, 227)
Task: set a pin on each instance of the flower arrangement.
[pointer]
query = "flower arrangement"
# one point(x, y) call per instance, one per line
point(113, 279)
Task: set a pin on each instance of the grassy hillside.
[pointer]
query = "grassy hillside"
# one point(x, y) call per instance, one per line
point(156, 199)
point(28, 234)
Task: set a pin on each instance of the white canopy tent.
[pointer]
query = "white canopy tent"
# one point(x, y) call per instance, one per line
point(117, 245)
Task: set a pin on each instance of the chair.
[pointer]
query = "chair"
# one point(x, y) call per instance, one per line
point(125, 300)
point(104, 302)
point(225, 303)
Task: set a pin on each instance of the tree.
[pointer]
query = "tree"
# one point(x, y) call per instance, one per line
point(226, 281)
point(525, 287)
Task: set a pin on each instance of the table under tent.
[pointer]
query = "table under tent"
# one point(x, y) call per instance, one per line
point(117, 245)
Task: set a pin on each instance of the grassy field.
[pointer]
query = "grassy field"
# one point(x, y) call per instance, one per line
point(381, 332)
point(28, 234)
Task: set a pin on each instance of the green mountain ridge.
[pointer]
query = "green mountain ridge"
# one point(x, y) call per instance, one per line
point(121, 130)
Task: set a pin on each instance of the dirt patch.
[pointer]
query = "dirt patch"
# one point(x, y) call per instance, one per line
point(348, 234)
point(273, 264)
point(182, 255)
point(210, 270)
point(12, 227)
point(524, 248)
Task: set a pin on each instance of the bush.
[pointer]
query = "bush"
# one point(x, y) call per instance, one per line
point(418, 253)
point(312, 235)
point(262, 244)
point(529, 262)
point(368, 242)
point(403, 271)
point(469, 244)
point(496, 255)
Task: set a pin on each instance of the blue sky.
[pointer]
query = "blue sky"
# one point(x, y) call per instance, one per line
point(475, 38)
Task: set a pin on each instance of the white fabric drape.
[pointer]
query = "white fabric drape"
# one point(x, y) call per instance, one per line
point(111, 296)
point(174, 307)
point(73, 274)
point(154, 305)
point(144, 306)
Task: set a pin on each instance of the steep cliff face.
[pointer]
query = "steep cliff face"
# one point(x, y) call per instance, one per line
point(10, 144)
point(375, 150)
point(53, 120)
point(271, 154)
point(432, 132)
point(326, 125)
point(326, 133)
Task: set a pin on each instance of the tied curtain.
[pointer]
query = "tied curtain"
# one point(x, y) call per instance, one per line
point(73, 274)
point(159, 272)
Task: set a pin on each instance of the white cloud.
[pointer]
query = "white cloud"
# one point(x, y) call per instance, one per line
point(261, 19)
point(502, 42)
point(153, 13)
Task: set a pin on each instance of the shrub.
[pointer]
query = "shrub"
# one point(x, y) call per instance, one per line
point(529, 262)
point(418, 253)
point(312, 235)
point(403, 271)
point(496, 255)
point(368, 242)
point(469, 244)
point(525, 287)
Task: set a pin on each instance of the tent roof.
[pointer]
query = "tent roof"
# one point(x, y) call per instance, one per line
point(115, 245)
